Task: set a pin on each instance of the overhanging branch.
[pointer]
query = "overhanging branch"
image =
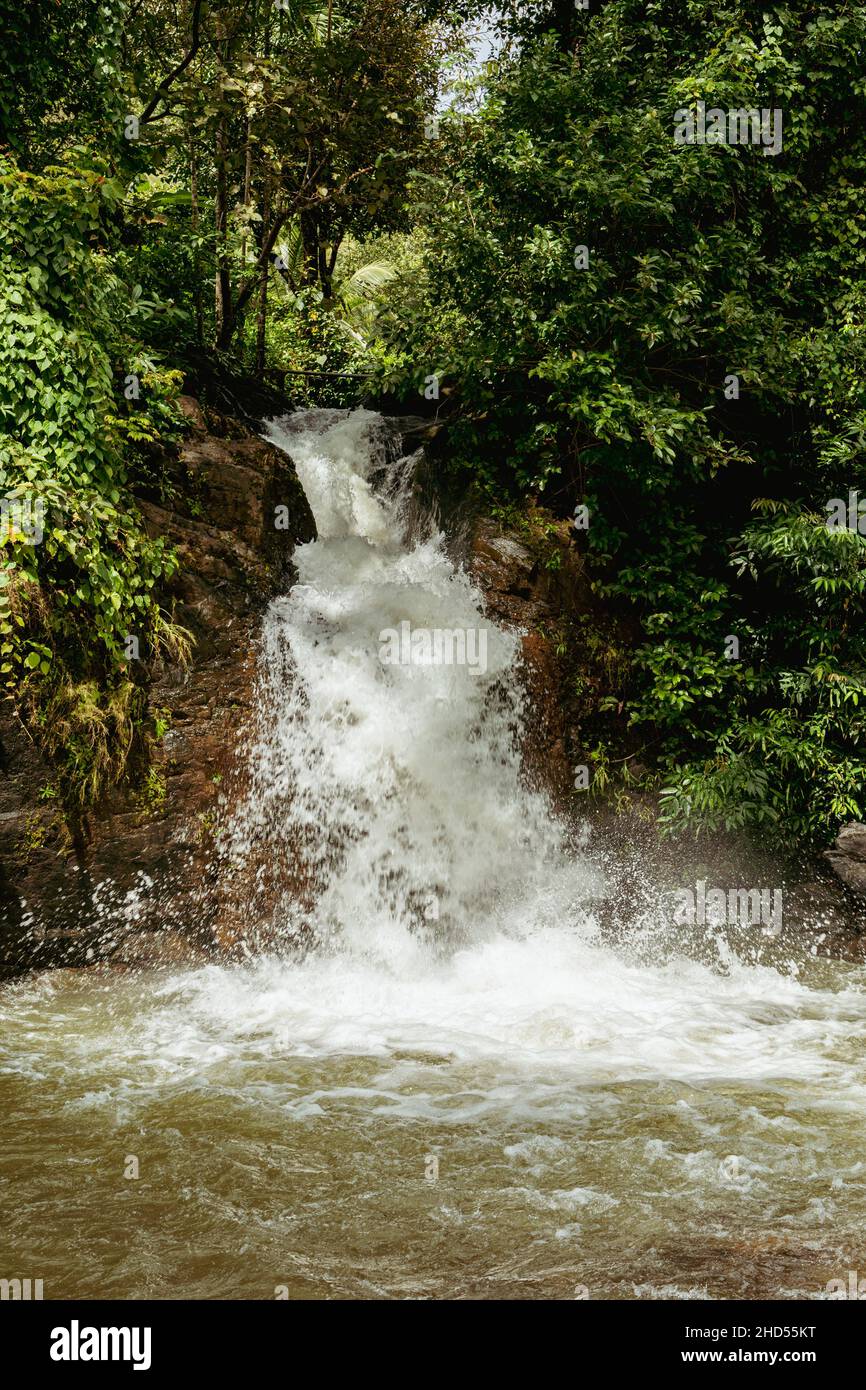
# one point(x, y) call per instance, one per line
point(166, 83)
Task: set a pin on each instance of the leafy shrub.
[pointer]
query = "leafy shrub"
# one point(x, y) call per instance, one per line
point(601, 379)
point(69, 602)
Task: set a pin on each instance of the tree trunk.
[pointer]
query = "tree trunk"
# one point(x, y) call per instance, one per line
point(310, 238)
point(196, 255)
point(222, 287)
point(248, 179)
point(262, 312)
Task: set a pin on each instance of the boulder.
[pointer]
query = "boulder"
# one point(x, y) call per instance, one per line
point(848, 857)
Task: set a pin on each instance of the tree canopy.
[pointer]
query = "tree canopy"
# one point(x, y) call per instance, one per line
point(662, 329)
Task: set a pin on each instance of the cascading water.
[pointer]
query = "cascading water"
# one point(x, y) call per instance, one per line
point(456, 1089)
point(396, 783)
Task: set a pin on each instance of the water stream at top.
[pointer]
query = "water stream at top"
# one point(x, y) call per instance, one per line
point(457, 1087)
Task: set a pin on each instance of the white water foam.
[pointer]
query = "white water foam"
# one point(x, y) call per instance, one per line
point(395, 790)
point(403, 788)
point(442, 908)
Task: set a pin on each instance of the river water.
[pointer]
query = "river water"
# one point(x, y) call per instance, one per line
point(444, 1080)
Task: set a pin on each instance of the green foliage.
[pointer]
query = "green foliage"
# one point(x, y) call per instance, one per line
point(311, 336)
point(59, 75)
point(152, 793)
point(69, 600)
point(284, 201)
point(605, 385)
point(251, 125)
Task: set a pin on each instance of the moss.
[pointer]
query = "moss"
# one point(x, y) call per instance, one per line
point(150, 797)
point(33, 836)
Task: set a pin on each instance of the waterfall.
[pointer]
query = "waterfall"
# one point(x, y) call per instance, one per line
point(386, 772)
point(433, 1076)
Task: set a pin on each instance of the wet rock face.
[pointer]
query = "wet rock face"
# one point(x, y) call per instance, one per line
point(848, 857)
point(141, 861)
point(521, 591)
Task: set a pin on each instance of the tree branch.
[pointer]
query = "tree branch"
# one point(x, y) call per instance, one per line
point(162, 89)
